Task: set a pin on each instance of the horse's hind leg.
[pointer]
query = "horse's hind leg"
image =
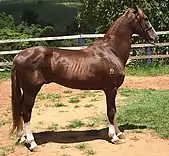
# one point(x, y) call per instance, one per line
point(27, 105)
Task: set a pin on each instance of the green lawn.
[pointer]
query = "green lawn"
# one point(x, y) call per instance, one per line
point(4, 76)
point(147, 70)
point(147, 108)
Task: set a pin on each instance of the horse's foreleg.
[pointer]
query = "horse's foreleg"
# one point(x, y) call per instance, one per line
point(111, 110)
point(27, 105)
point(119, 134)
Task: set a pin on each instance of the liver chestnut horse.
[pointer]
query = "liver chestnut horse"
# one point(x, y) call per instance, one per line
point(100, 66)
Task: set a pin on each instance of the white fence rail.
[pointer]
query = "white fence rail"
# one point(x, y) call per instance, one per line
point(66, 37)
point(81, 47)
point(76, 37)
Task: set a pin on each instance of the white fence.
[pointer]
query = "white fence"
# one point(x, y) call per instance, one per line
point(76, 48)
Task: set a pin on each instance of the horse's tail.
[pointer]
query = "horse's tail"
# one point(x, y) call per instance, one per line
point(17, 124)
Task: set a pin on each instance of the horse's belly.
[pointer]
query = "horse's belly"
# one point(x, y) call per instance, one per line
point(95, 83)
point(81, 84)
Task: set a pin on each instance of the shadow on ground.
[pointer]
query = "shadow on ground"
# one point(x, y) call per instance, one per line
point(78, 136)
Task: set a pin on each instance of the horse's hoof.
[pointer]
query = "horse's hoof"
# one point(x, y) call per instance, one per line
point(121, 136)
point(117, 142)
point(35, 149)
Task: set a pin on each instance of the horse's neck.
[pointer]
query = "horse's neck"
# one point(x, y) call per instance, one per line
point(119, 39)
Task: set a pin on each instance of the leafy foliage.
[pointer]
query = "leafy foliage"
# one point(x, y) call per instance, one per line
point(9, 30)
point(96, 16)
point(100, 13)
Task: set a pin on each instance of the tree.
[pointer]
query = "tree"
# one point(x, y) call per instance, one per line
point(9, 30)
point(6, 21)
point(96, 15)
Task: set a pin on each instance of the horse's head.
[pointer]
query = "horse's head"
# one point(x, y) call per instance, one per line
point(141, 25)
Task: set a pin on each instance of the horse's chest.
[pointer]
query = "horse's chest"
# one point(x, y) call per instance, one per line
point(113, 75)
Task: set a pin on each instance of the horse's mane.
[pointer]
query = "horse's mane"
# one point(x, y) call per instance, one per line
point(115, 25)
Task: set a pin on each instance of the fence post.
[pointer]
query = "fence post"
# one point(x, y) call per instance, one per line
point(148, 53)
point(167, 51)
point(80, 40)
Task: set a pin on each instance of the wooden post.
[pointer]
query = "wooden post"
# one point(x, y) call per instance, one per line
point(148, 53)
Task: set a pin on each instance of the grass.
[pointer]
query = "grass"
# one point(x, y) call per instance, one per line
point(2, 154)
point(147, 70)
point(67, 91)
point(84, 147)
point(91, 122)
point(3, 122)
point(149, 108)
point(87, 93)
point(76, 106)
point(4, 75)
point(96, 121)
point(88, 105)
point(75, 124)
point(94, 99)
point(53, 127)
point(59, 104)
point(51, 96)
point(74, 100)
point(64, 146)
point(7, 150)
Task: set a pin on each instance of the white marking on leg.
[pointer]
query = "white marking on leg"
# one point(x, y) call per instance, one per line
point(28, 132)
point(119, 134)
point(117, 131)
point(112, 133)
point(29, 135)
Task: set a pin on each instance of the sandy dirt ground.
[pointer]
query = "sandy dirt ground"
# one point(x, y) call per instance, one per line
point(48, 124)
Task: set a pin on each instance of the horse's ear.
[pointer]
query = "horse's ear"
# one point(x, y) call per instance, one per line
point(135, 8)
point(137, 11)
point(140, 12)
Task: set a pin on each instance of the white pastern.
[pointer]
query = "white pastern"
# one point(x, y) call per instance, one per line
point(112, 133)
point(29, 136)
